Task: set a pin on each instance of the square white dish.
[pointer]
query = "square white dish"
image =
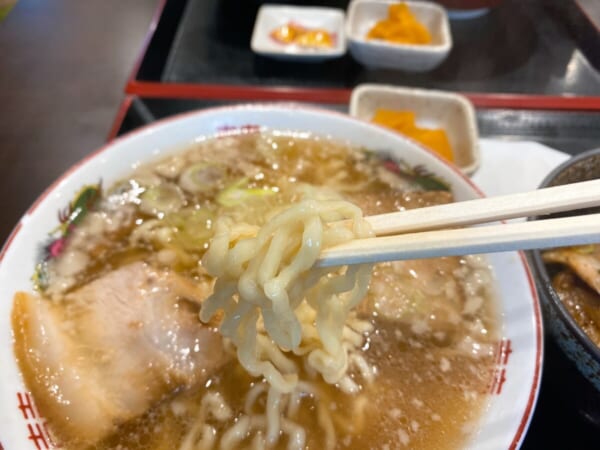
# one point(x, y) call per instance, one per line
point(270, 17)
point(373, 53)
point(436, 109)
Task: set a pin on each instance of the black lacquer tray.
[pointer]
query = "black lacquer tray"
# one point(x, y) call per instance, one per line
point(521, 53)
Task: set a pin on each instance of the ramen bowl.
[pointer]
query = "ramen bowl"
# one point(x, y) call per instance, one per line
point(565, 330)
point(515, 375)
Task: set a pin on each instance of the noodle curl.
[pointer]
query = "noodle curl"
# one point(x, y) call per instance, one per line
point(279, 310)
point(266, 280)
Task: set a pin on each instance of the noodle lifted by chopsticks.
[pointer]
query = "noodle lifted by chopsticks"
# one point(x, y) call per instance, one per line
point(275, 301)
point(265, 278)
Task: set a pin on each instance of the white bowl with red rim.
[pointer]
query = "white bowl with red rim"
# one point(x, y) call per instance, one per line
point(514, 387)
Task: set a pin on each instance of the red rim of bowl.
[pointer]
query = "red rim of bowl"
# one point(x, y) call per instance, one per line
point(535, 383)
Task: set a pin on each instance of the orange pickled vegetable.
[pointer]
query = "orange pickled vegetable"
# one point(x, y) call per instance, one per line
point(315, 38)
point(400, 27)
point(405, 122)
point(292, 33)
point(286, 34)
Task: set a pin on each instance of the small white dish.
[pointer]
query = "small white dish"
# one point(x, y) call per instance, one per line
point(363, 14)
point(270, 17)
point(434, 109)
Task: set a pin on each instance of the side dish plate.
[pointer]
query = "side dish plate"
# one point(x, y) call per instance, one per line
point(271, 17)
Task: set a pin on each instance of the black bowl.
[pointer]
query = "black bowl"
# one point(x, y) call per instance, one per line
point(572, 340)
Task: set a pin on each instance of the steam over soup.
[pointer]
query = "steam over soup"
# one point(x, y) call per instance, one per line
point(116, 356)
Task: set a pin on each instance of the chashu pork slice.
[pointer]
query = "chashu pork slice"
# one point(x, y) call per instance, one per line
point(583, 260)
point(111, 350)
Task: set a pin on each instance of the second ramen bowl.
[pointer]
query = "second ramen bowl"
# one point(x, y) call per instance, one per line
point(583, 353)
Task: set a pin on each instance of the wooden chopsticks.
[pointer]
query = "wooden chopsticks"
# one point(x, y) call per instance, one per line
point(419, 243)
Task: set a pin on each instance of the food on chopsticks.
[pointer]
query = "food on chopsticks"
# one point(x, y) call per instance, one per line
point(404, 122)
point(294, 34)
point(183, 309)
point(400, 27)
point(578, 284)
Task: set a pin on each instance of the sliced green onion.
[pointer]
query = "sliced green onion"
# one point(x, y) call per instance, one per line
point(201, 177)
point(162, 199)
point(236, 194)
point(193, 228)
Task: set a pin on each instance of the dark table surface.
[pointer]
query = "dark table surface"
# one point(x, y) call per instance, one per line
point(63, 66)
